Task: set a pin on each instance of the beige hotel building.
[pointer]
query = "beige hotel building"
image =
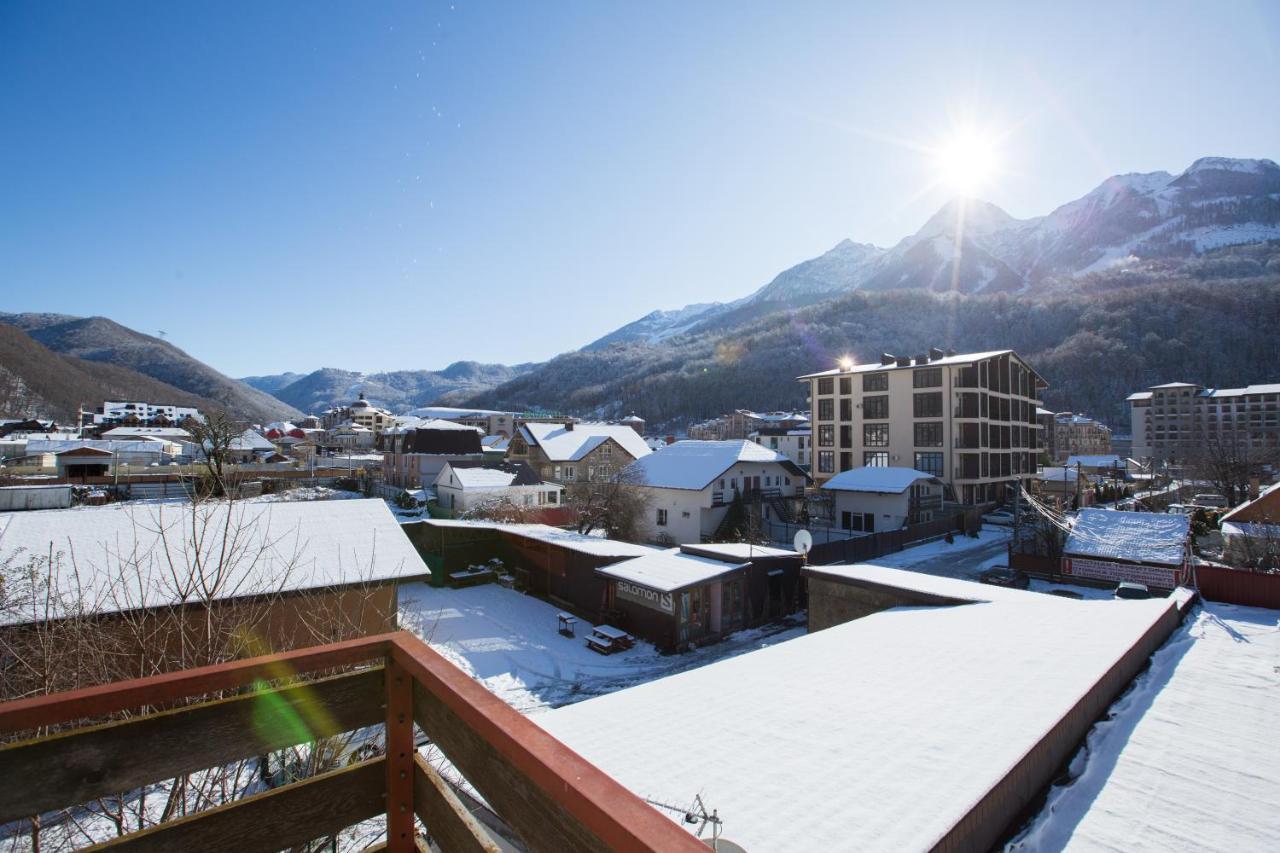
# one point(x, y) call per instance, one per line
point(969, 420)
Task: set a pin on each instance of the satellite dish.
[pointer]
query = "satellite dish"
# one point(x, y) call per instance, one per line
point(724, 845)
point(803, 541)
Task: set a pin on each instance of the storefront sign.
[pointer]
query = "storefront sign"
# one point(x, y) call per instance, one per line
point(1105, 570)
point(652, 599)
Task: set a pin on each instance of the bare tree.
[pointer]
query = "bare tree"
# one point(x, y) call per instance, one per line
point(215, 438)
point(207, 592)
point(616, 504)
point(504, 509)
point(1228, 461)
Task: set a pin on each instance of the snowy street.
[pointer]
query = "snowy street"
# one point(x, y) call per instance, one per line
point(965, 559)
point(508, 641)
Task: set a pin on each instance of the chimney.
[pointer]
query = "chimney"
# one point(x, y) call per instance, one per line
point(1255, 487)
point(904, 361)
point(887, 359)
point(951, 353)
point(568, 427)
point(922, 359)
point(934, 353)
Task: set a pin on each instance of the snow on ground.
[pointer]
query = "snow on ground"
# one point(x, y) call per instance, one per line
point(508, 641)
point(307, 493)
point(1189, 758)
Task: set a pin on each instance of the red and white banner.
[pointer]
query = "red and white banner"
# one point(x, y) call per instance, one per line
point(1106, 570)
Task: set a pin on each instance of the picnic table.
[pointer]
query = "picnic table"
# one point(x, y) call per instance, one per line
point(471, 575)
point(607, 639)
point(566, 624)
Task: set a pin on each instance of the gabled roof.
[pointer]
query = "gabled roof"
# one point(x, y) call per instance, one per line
point(1238, 511)
point(881, 480)
point(695, 465)
point(482, 477)
point(1140, 537)
point(1139, 395)
point(564, 444)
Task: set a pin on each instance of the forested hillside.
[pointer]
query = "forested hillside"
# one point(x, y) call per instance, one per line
point(1213, 319)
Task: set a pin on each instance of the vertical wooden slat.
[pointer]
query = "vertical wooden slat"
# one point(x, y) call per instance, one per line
point(400, 749)
point(448, 822)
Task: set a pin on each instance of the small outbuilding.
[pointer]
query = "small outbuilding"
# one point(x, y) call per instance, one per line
point(870, 499)
point(1140, 547)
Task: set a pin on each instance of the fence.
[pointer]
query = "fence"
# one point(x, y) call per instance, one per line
point(1237, 586)
point(874, 545)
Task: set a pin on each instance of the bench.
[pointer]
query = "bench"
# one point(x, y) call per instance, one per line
point(607, 639)
point(566, 624)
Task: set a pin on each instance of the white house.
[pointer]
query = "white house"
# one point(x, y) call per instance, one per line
point(795, 443)
point(690, 484)
point(870, 499)
point(461, 486)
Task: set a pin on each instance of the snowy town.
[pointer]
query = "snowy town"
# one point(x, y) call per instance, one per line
point(596, 576)
point(434, 426)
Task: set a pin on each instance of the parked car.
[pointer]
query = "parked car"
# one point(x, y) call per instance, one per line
point(1005, 576)
point(1066, 593)
point(1132, 591)
point(1000, 516)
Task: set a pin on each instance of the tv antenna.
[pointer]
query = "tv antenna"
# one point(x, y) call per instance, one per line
point(697, 813)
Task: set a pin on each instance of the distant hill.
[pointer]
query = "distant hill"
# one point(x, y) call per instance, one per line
point(103, 341)
point(1096, 338)
point(397, 390)
point(37, 382)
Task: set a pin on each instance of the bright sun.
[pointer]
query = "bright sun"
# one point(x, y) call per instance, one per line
point(966, 161)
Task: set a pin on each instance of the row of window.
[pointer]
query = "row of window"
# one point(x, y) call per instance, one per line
point(877, 435)
point(927, 377)
point(928, 462)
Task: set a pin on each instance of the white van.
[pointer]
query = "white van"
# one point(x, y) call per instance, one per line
point(1212, 499)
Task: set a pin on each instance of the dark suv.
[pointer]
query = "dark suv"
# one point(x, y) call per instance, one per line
point(1005, 576)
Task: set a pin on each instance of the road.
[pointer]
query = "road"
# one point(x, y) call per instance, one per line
point(965, 559)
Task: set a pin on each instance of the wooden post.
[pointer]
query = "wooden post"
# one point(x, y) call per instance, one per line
point(400, 749)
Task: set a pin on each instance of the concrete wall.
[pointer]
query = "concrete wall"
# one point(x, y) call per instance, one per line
point(835, 600)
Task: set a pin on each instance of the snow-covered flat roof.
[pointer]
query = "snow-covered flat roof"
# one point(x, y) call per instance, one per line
point(1059, 474)
point(874, 367)
point(1109, 460)
point(1141, 537)
point(878, 734)
point(574, 541)
point(669, 570)
point(737, 550)
point(271, 546)
point(960, 590)
point(1189, 759)
point(692, 464)
point(883, 480)
point(562, 444)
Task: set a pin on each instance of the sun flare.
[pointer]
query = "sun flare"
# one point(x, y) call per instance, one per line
point(967, 161)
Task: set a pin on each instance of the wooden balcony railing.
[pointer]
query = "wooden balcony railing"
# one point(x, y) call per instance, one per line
point(549, 796)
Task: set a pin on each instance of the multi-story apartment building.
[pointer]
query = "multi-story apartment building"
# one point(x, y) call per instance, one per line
point(1078, 435)
point(969, 420)
point(1171, 422)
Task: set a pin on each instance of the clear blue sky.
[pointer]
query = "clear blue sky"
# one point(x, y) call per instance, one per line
point(285, 186)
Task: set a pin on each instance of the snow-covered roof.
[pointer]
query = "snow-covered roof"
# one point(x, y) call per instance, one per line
point(451, 413)
point(564, 444)
point(1101, 461)
point(1240, 392)
point(1140, 537)
point(35, 447)
point(123, 432)
point(1188, 760)
point(250, 440)
point(668, 570)
point(1140, 395)
point(1236, 511)
point(875, 367)
point(692, 464)
point(879, 732)
point(736, 550)
point(478, 478)
point(1059, 475)
point(595, 545)
point(1252, 530)
point(882, 480)
point(1173, 385)
point(1041, 412)
point(275, 547)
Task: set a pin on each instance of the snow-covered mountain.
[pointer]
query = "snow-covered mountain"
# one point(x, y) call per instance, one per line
point(972, 246)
